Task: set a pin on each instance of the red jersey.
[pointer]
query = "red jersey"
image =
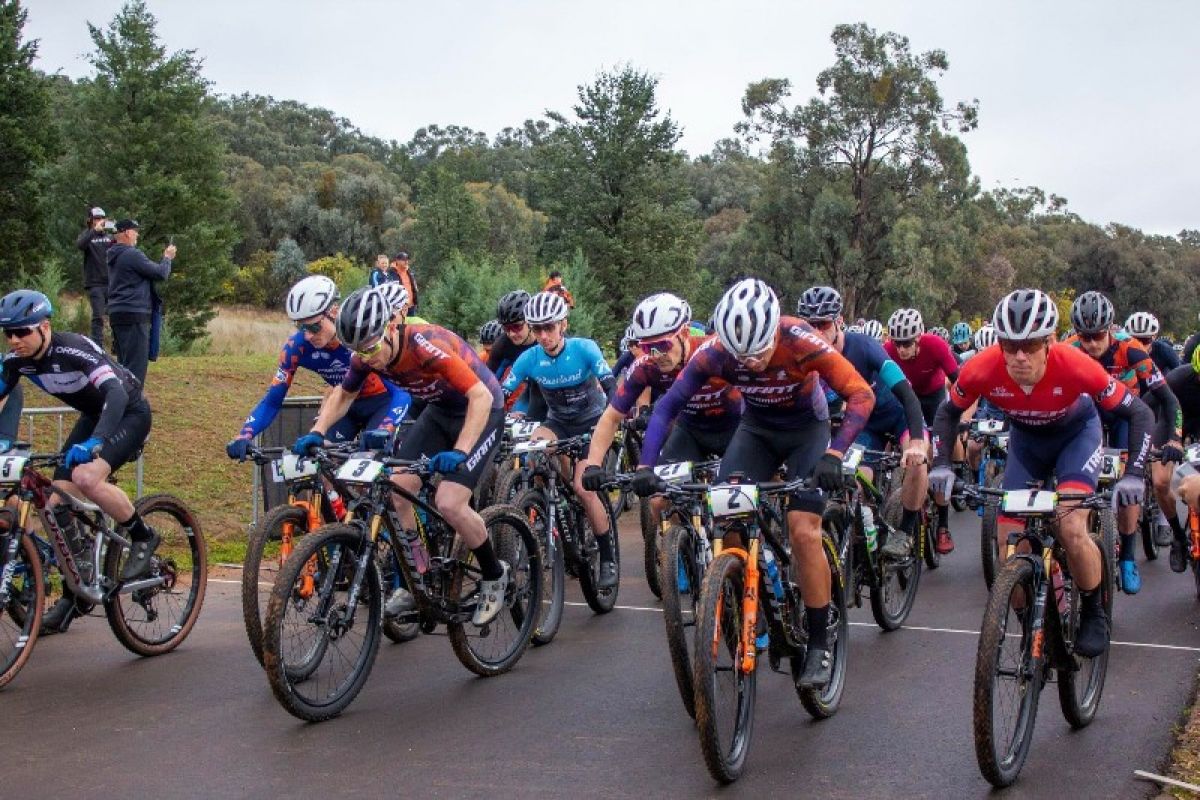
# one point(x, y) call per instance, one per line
point(930, 368)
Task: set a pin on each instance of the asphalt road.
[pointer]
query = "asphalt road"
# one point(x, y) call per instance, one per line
point(594, 714)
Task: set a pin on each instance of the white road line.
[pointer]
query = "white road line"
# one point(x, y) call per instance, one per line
point(858, 624)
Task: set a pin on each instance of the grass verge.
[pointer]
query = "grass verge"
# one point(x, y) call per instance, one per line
point(1185, 756)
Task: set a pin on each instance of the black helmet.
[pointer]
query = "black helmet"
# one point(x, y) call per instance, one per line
point(23, 308)
point(511, 307)
point(363, 317)
point(1091, 312)
point(489, 332)
point(819, 303)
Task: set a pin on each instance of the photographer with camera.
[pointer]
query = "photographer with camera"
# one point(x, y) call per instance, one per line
point(94, 241)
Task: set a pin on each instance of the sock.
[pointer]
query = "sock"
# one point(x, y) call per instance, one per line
point(1091, 600)
point(1127, 546)
point(605, 543)
point(489, 565)
point(943, 516)
point(1177, 529)
point(908, 521)
point(818, 626)
point(136, 527)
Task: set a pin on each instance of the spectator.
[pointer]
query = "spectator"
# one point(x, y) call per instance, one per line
point(94, 242)
point(555, 284)
point(132, 299)
point(403, 274)
point(380, 272)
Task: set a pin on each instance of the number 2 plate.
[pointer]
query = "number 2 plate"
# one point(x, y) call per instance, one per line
point(360, 470)
point(733, 499)
point(11, 468)
point(675, 473)
point(1029, 501)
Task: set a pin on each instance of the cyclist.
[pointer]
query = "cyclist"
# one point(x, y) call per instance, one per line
point(874, 329)
point(661, 328)
point(510, 313)
point(1143, 326)
point(10, 418)
point(897, 412)
point(1050, 393)
point(489, 333)
point(312, 305)
point(575, 382)
point(629, 353)
point(114, 421)
point(1123, 358)
point(777, 364)
point(941, 333)
point(929, 365)
point(984, 338)
point(1184, 382)
point(960, 341)
point(464, 409)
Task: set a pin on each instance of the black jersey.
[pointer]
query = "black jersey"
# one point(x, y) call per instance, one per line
point(1185, 385)
point(81, 375)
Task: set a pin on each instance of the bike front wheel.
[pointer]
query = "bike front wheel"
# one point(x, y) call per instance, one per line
point(270, 543)
point(599, 600)
point(156, 619)
point(989, 537)
point(650, 545)
point(494, 648)
point(1080, 687)
point(21, 615)
point(533, 506)
point(895, 592)
point(1008, 678)
point(822, 703)
point(681, 576)
point(321, 634)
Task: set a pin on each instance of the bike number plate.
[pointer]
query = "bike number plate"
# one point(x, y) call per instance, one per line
point(1192, 454)
point(360, 470)
point(1029, 501)
point(531, 446)
point(852, 459)
point(293, 467)
point(675, 473)
point(520, 430)
point(732, 499)
point(11, 468)
point(1002, 442)
point(1110, 465)
point(990, 425)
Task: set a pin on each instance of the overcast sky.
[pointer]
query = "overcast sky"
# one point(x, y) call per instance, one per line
point(1095, 101)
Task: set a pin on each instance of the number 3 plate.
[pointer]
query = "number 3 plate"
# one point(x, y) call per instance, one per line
point(733, 499)
point(1029, 501)
point(360, 470)
point(11, 468)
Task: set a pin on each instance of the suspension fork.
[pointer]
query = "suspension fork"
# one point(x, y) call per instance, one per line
point(750, 607)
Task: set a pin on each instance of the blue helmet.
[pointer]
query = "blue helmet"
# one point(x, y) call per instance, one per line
point(23, 308)
point(960, 333)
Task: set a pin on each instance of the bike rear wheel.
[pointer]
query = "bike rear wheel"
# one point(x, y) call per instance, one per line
point(317, 650)
point(1147, 525)
point(1007, 676)
point(681, 577)
point(823, 703)
point(270, 542)
point(157, 619)
point(893, 598)
point(495, 648)
point(408, 626)
point(21, 615)
point(533, 506)
point(724, 693)
point(599, 600)
point(650, 545)
point(1080, 688)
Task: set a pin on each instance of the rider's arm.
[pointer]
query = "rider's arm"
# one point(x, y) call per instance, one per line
point(694, 376)
point(268, 407)
point(602, 436)
point(479, 407)
point(338, 401)
point(844, 379)
point(12, 403)
point(115, 401)
point(399, 401)
point(599, 367)
point(962, 396)
point(519, 372)
point(893, 378)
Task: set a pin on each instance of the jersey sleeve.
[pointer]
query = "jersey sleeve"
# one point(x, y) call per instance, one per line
point(945, 357)
point(519, 372)
point(629, 388)
point(445, 362)
point(595, 359)
point(1095, 381)
point(268, 407)
point(1148, 374)
point(356, 375)
point(844, 379)
point(8, 376)
point(969, 386)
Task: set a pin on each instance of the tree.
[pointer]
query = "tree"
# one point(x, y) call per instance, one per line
point(142, 144)
point(613, 186)
point(287, 267)
point(878, 133)
point(28, 141)
point(447, 219)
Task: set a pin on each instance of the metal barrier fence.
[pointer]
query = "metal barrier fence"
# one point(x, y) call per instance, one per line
point(293, 420)
point(60, 412)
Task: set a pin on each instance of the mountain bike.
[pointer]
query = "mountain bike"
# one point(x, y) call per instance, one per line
point(560, 524)
point(511, 476)
point(1029, 627)
point(321, 634)
point(993, 435)
point(150, 616)
point(740, 583)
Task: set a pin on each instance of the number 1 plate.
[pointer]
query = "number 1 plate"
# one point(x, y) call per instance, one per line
point(360, 470)
point(11, 468)
point(1029, 501)
point(733, 499)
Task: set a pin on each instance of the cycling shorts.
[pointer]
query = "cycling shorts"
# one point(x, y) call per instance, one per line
point(364, 414)
point(757, 451)
point(689, 444)
point(929, 405)
point(1117, 429)
point(1072, 454)
point(889, 425)
point(437, 430)
point(121, 447)
point(565, 430)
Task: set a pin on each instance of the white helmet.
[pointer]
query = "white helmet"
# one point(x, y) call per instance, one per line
point(854, 329)
point(545, 307)
point(395, 294)
point(985, 337)
point(874, 329)
point(1142, 324)
point(905, 324)
point(658, 315)
point(311, 296)
point(1025, 314)
point(747, 317)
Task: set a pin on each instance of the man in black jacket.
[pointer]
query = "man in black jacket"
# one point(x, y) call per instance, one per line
point(94, 242)
point(132, 297)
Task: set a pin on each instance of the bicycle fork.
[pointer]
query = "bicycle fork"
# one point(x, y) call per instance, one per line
point(750, 608)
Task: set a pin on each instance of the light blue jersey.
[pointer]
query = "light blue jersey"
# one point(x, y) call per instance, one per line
point(574, 382)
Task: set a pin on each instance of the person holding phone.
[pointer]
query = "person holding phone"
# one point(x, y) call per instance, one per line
point(94, 241)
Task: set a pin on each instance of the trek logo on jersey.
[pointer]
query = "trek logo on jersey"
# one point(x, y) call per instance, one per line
point(1056, 391)
point(1092, 465)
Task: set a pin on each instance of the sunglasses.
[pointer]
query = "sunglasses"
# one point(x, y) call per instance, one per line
point(544, 327)
point(17, 333)
point(514, 327)
point(658, 347)
point(1028, 346)
point(1092, 337)
point(312, 327)
point(905, 344)
point(372, 351)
